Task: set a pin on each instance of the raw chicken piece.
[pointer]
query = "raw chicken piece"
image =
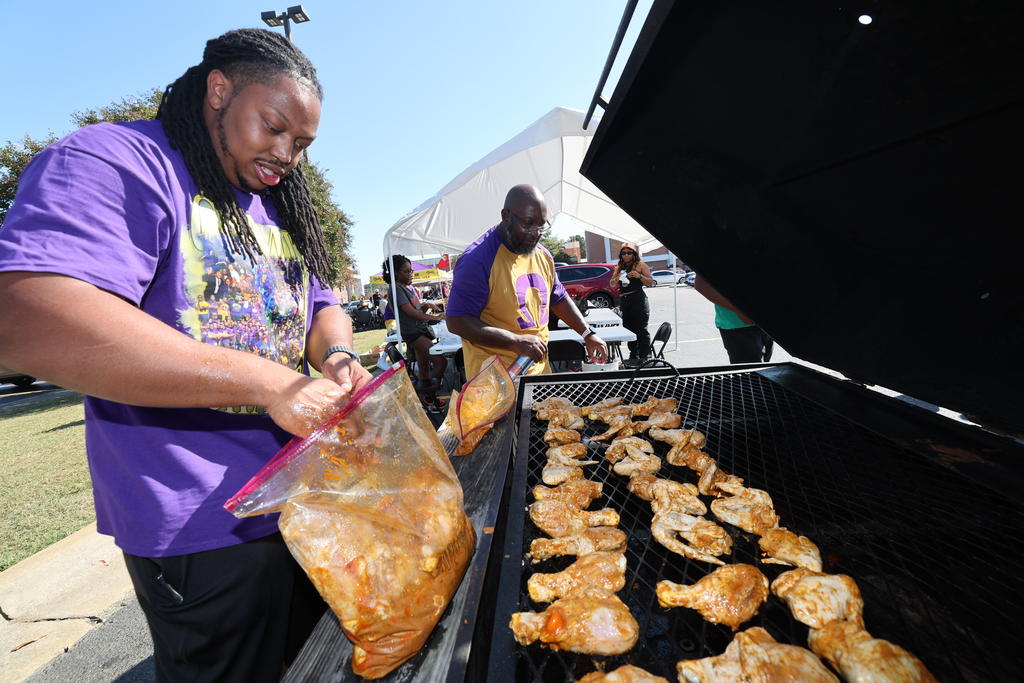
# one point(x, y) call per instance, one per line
point(684, 454)
point(615, 425)
point(558, 518)
point(666, 495)
point(568, 450)
point(607, 403)
point(655, 405)
point(640, 462)
point(816, 599)
point(581, 543)
point(674, 437)
point(554, 473)
point(750, 509)
point(627, 445)
point(708, 538)
point(569, 419)
point(663, 421)
point(859, 658)
point(556, 436)
point(755, 657)
point(608, 415)
point(592, 622)
point(785, 547)
point(713, 480)
point(555, 402)
point(568, 460)
point(729, 595)
point(578, 492)
point(605, 570)
point(626, 673)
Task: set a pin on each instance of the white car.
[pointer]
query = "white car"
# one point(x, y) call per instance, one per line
point(667, 277)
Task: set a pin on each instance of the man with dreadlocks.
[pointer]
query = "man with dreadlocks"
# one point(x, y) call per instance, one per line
point(171, 271)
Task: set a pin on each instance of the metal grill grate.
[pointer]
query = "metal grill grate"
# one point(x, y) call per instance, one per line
point(936, 556)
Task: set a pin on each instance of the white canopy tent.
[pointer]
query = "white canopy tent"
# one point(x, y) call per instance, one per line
point(548, 155)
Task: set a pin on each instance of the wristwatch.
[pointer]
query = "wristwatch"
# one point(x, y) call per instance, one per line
point(339, 349)
point(588, 331)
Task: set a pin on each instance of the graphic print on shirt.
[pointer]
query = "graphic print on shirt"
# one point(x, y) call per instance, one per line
point(259, 308)
point(524, 283)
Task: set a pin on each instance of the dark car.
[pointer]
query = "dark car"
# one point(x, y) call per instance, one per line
point(590, 283)
point(16, 378)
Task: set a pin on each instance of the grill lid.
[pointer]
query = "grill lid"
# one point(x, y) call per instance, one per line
point(853, 188)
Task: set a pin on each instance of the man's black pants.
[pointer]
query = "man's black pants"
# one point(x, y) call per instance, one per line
point(747, 344)
point(239, 613)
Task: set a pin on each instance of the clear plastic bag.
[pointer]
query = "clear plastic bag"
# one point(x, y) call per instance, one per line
point(373, 512)
point(484, 400)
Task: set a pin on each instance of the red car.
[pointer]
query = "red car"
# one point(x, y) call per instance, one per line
point(589, 282)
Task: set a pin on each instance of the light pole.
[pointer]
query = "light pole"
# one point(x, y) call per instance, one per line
point(296, 14)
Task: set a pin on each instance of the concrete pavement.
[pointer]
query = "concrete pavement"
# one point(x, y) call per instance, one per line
point(55, 597)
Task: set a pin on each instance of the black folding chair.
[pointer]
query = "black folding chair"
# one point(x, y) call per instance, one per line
point(663, 334)
point(362, 319)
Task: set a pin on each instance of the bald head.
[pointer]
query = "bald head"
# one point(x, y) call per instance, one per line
point(523, 218)
point(522, 197)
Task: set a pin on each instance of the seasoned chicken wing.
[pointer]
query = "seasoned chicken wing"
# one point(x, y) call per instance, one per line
point(578, 492)
point(554, 474)
point(684, 454)
point(785, 547)
point(663, 421)
point(592, 622)
point(729, 595)
point(554, 402)
point(558, 518)
point(588, 411)
point(568, 450)
point(666, 495)
point(750, 509)
point(569, 419)
point(859, 658)
point(816, 599)
point(674, 437)
point(608, 415)
point(627, 445)
point(581, 543)
point(627, 673)
point(615, 425)
point(707, 538)
point(655, 405)
point(568, 460)
point(556, 436)
point(638, 462)
point(605, 570)
point(715, 481)
point(754, 656)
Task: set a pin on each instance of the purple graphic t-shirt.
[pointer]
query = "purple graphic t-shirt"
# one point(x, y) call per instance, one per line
point(113, 205)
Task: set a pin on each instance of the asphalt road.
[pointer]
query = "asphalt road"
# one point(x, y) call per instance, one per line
point(120, 649)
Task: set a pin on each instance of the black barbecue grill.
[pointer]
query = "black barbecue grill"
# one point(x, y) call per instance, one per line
point(936, 555)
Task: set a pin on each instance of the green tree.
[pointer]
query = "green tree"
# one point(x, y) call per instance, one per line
point(15, 156)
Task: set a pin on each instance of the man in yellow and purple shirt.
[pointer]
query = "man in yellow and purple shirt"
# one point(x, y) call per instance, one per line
point(505, 286)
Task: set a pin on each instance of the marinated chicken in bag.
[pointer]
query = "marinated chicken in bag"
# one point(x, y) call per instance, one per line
point(373, 511)
point(484, 400)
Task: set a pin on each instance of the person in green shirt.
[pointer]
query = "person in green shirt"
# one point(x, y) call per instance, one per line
point(744, 341)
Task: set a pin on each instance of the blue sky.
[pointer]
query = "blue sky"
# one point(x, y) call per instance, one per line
point(415, 90)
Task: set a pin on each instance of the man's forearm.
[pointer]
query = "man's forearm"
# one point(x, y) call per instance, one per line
point(331, 327)
point(568, 313)
point(83, 338)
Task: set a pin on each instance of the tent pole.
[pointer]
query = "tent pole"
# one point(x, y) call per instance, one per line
point(388, 249)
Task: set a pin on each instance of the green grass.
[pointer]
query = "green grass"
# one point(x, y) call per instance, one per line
point(45, 484)
point(44, 478)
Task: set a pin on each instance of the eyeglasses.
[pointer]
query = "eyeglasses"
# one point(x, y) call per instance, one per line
point(538, 229)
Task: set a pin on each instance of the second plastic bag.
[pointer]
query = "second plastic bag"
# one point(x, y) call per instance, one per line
point(373, 512)
point(484, 399)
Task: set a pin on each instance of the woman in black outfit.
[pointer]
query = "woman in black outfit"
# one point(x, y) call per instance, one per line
point(631, 274)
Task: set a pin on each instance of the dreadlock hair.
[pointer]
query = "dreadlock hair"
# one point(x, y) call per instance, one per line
point(244, 56)
point(393, 264)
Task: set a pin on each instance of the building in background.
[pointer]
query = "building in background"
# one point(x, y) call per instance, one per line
point(602, 249)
